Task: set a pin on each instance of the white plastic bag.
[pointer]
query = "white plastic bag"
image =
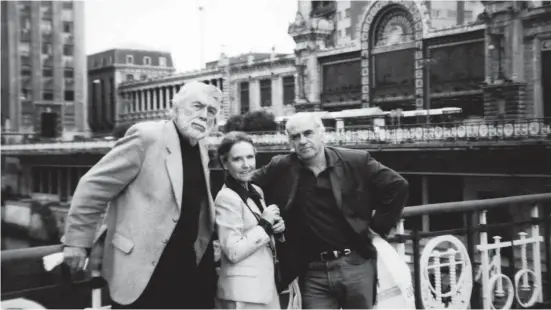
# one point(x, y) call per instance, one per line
point(395, 287)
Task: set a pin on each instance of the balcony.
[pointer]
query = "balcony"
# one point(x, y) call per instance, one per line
point(483, 263)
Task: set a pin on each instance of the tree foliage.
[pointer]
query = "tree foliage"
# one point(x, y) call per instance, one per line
point(259, 121)
point(256, 121)
point(234, 123)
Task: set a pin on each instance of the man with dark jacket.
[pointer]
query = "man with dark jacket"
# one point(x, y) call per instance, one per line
point(332, 200)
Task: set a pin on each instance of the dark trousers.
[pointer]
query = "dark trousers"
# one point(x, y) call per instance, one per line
point(179, 285)
point(348, 283)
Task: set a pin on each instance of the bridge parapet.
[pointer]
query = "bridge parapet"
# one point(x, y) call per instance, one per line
point(457, 267)
point(479, 133)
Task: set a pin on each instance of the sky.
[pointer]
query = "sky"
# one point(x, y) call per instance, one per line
point(235, 26)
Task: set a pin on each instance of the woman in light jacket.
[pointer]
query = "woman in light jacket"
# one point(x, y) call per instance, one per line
point(245, 229)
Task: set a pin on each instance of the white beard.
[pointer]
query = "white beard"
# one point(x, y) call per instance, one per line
point(195, 134)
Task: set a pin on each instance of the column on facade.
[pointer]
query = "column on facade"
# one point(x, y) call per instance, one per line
point(235, 101)
point(221, 83)
point(171, 93)
point(536, 78)
point(155, 99)
point(488, 61)
point(277, 95)
point(297, 87)
point(141, 100)
point(149, 103)
point(254, 94)
point(517, 59)
point(314, 78)
point(164, 102)
point(130, 103)
point(135, 102)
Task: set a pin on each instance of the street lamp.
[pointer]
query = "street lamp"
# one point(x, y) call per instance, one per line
point(427, 62)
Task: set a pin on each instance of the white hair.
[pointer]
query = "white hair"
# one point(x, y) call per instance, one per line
point(305, 117)
point(191, 90)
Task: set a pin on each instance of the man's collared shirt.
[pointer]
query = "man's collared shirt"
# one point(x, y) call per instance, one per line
point(323, 226)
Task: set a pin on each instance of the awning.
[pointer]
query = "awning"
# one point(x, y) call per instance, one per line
point(431, 112)
point(364, 112)
point(320, 114)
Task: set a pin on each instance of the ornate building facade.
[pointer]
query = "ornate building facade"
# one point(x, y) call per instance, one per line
point(491, 65)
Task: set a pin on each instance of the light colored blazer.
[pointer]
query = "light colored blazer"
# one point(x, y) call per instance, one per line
point(247, 267)
point(141, 179)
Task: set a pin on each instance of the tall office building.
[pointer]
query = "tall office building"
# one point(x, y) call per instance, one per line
point(43, 68)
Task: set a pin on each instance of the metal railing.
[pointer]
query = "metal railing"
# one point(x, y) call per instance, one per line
point(516, 131)
point(454, 267)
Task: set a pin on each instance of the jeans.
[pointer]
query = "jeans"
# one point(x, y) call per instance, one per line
point(348, 282)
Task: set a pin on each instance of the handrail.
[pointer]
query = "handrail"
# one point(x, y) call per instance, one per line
point(435, 208)
point(473, 205)
point(29, 253)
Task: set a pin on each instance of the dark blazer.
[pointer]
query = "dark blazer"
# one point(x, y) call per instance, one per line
point(360, 184)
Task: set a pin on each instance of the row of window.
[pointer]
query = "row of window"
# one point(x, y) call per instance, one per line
point(266, 93)
point(146, 61)
point(130, 77)
point(47, 95)
point(25, 49)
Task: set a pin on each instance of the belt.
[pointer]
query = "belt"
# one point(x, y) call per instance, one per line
point(333, 254)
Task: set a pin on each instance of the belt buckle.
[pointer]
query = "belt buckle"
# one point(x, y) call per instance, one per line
point(346, 252)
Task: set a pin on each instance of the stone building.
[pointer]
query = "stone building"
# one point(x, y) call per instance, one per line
point(249, 82)
point(43, 69)
point(108, 69)
point(491, 65)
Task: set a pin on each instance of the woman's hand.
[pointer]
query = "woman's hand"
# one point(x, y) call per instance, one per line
point(279, 226)
point(270, 214)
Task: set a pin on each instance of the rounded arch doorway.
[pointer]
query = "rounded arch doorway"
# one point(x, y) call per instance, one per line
point(392, 55)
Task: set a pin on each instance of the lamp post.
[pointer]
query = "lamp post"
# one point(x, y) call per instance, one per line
point(202, 36)
point(426, 64)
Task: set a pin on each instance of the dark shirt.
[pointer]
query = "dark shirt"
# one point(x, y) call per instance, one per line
point(323, 226)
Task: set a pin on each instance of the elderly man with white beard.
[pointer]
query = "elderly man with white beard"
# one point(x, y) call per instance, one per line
point(158, 247)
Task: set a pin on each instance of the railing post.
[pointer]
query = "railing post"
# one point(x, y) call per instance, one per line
point(547, 238)
point(96, 292)
point(485, 265)
point(417, 267)
point(471, 251)
point(537, 254)
point(401, 247)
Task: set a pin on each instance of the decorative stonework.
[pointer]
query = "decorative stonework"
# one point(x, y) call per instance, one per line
point(456, 285)
point(417, 20)
point(310, 36)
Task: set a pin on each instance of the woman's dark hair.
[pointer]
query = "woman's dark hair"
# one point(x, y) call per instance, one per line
point(229, 140)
